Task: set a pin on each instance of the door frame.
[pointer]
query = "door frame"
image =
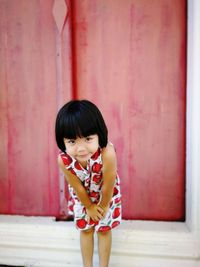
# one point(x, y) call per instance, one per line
point(192, 117)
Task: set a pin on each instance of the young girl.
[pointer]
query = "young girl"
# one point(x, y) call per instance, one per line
point(88, 162)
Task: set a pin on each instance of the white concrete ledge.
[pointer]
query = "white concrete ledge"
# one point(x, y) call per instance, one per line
point(41, 241)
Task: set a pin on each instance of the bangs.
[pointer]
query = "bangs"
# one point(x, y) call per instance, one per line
point(78, 125)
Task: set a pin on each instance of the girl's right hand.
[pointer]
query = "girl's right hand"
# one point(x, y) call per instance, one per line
point(95, 212)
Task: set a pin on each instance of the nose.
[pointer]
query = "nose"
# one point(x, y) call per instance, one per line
point(80, 147)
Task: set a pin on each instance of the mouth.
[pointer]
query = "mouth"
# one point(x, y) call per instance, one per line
point(83, 156)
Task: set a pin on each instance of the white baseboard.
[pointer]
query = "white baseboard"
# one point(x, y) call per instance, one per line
point(42, 242)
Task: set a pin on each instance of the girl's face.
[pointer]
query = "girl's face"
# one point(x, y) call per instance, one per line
point(82, 148)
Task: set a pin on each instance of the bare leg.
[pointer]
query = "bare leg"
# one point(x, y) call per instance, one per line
point(87, 246)
point(104, 247)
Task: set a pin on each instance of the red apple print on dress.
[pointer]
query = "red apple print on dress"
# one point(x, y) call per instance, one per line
point(71, 204)
point(77, 165)
point(115, 191)
point(96, 167)
point(95, 155)
point(72, 171)
point(91, 222)
point(71, 207)
point(104, 228)
point(66, 159)
point(87, 180)
point(117, 200)
point(96, 178)
point(115, 223)
point(81, 223)
point(116, 213)
point(94, 194)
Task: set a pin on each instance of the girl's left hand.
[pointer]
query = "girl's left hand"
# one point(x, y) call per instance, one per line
point(95, 212)
point(104, 208)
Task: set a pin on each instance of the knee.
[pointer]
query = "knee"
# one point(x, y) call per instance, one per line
point(88, 231)
point(105, 233)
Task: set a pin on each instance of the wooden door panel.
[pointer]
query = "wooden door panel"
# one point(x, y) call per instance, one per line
point(131, 61)
point(29, 182)
point(4, 181)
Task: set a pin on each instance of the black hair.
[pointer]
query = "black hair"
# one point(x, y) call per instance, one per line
point(80, 118)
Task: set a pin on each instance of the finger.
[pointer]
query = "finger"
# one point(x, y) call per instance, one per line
point(100, 210)
point(93, 219)
point(100, 217)
point(96, 218)
point(103, 212)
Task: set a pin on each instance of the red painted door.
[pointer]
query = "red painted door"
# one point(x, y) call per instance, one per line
point(131, 61)
point(32, 82)
point(129, 58)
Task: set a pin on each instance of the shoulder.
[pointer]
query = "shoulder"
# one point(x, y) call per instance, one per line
point(108, 153)
point(64, 160)
point(60, 162)
point(109, 160)
point(64, 165)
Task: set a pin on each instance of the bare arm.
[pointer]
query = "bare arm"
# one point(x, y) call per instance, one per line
point(93, 210)
point(109, 175)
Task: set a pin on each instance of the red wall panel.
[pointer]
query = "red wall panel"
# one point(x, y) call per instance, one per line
point(32, 81)
point(130, 60)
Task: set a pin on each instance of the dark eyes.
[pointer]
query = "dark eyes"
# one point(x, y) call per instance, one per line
point(73, 141)
point(88, 138)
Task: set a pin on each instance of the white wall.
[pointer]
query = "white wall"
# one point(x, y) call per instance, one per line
point(193, 118)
